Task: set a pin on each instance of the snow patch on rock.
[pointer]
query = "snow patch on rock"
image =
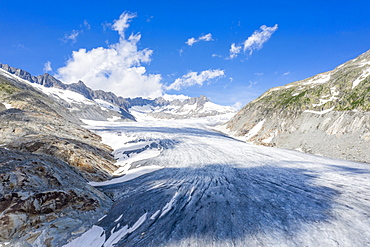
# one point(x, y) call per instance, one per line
point(107, 105)
point(8, 106)
point(254, 131)
point(363, 76)
point(320, 112)
point(333, 96)
point(319, 79)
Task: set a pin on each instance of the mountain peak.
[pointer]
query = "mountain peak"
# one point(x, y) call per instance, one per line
point(81, 83)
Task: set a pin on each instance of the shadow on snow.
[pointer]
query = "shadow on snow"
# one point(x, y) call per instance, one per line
point(216, 203)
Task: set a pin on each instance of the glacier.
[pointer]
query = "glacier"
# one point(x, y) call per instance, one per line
point(208, 189)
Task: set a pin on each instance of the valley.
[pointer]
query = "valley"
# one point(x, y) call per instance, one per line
point(84, 167)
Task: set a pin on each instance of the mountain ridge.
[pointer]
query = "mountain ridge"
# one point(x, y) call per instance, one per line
point(327, 114)
point(161, 106)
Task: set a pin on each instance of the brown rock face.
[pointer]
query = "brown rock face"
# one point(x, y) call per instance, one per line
point(38, 191)
point(36, 124)
point(46, 160)
point(95, 163)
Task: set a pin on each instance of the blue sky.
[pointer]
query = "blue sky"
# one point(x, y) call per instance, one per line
point(150, 48)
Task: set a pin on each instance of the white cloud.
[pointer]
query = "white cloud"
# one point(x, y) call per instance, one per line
point(259, 74)
point(206, 37)
point(117, 68)
point(191, 41)
point(231, 79)
point(47, 66)
point(171, 97)
point(235, 50)
point(106, 26)
point(286, 73)
point(194, 78)
point(252, 83)
point(72, 37)
point(86, 25)
point(254, 42)
point(122, 23)
point(258, 38)
point(75, 33)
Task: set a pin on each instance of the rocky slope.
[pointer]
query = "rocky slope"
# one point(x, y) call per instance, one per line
point(46, 160)
point(327, 114)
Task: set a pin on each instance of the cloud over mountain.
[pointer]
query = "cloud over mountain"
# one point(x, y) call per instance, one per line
point(118, 68)
point(194, 78)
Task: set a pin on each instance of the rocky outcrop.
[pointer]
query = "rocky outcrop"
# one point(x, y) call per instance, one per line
point(46, 160)
point(36, 124)
point(43, 201)
point(92, 162)
point(327, 114)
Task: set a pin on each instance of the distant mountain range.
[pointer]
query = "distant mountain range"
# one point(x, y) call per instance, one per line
point(85, 103)
point(327, 114)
